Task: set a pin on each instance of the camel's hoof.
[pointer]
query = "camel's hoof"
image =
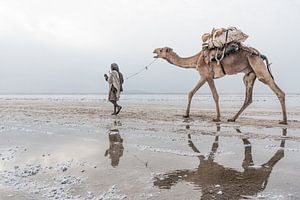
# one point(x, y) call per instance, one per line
point(186, 116)
point(283, 122)
point(231, 120)
point(216, 120)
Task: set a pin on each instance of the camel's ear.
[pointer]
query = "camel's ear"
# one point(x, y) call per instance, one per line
point(168, 50)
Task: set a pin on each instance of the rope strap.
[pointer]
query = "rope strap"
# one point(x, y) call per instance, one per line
point(141, 70)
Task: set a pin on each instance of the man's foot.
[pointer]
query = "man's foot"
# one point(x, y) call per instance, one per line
point(216, 120)
point(114, 113)
point(119, 109)
point(284, 122)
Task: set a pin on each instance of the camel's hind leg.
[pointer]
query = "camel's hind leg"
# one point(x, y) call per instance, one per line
point(249, 80)
point(191, 94)
point(264, 76)
point(248, 161)
point(281, 96)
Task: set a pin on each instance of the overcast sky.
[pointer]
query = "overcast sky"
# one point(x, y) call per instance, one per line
point(65, 46)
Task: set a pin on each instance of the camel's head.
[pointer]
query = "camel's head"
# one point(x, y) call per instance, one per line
point(162, 52)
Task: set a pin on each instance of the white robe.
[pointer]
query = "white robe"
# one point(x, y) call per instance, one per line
point(114, 80)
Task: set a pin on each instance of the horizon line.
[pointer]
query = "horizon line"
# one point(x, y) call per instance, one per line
point(125, 93)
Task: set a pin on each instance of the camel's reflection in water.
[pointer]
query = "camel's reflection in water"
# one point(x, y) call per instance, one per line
point(219, 182)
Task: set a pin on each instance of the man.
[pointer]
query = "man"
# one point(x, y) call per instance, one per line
point(115, 81)
point(116, 148)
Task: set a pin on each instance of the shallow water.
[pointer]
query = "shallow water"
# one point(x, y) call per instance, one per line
point(49, 154)
point(150, 164)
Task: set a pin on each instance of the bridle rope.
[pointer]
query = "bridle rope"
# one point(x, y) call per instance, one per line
point(141, 70)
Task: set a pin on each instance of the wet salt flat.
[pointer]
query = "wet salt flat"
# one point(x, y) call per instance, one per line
point(72, 148)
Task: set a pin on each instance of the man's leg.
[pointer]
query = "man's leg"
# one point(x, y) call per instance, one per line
point(119, 108)
point(115, 106)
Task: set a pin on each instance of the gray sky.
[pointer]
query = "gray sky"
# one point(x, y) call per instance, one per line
point(65, 46)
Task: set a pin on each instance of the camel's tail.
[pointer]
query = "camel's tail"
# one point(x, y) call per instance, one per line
point(267, 63)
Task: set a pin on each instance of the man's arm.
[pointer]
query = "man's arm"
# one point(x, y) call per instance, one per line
point(106, 77)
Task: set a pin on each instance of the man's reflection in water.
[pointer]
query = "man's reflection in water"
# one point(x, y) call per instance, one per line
point(115, 150)
point(219, 182)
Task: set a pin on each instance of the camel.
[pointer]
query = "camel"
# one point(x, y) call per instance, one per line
point(234, 184)
point(246, 60)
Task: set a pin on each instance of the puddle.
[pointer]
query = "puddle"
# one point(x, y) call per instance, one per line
point(136, 164)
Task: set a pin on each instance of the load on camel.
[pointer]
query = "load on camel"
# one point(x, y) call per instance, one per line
point(223, 53)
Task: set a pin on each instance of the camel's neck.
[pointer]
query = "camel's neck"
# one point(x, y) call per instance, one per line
point(188, 62)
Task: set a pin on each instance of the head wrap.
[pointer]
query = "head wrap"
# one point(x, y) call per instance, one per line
point(114, 66)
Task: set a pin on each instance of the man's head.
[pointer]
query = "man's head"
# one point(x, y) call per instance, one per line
point(114, 66)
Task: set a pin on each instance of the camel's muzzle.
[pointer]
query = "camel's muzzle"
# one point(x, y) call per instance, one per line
point(156, 52)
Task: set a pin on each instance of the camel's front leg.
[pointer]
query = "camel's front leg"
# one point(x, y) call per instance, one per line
point(191, 94)
point(194, 148)
point(216, 98)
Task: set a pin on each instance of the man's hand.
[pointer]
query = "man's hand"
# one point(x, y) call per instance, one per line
point(106, 77)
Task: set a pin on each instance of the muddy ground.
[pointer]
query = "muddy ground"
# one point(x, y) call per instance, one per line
point(78, 150)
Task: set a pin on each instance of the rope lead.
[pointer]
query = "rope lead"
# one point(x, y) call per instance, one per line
point(143, 69)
